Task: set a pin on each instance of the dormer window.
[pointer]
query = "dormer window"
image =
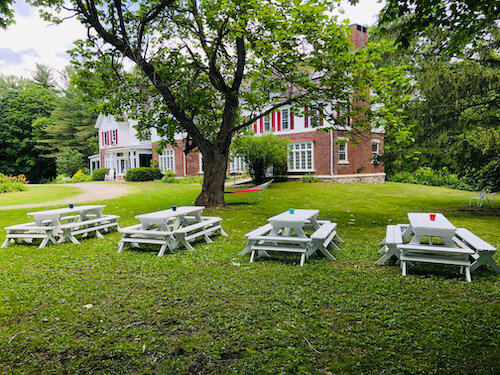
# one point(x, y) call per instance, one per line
point(267, 123)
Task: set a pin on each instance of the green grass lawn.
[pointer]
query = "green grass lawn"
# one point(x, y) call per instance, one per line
point(212, 312)
point(38, 194)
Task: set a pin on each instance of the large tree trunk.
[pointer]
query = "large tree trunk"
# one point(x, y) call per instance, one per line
point(214, 176)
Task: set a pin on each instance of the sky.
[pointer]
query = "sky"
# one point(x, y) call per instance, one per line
point(31, 40)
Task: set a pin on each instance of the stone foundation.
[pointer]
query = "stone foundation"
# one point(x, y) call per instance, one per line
point(365, 178)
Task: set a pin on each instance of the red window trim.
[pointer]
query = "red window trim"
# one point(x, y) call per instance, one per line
point(291, 118)
point(262, 125)
point(279, 120)
point(306, 118)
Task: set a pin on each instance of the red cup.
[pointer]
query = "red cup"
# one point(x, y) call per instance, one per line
point(433, 217)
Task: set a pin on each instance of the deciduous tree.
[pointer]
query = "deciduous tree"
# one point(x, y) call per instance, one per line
point(210, 68)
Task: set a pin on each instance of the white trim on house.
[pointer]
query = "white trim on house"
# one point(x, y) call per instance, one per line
point(301, 157)
point(166, 160)
point(343, 150)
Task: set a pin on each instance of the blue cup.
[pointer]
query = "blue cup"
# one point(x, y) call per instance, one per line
point(174, 208)
point(292, 210)
point(71, 206)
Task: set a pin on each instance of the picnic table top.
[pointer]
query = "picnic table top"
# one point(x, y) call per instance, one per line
point(423, 221)
point(66, 210)
point(299, 216)
point(180, 211)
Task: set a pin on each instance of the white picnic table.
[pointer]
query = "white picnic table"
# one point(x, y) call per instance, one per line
point(286, 233)
point(296, 222)
point(422, 226)
point(169, 228)
point(55, 216)
point(453, 252)
point(163, 219)
point(64, 223)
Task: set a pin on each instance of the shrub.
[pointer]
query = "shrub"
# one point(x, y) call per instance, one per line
point(309, 178)
point(69, 162)
point(169, 177)
point(15, 183)
point(262, 154)
point(99, 174)
point(143, 174)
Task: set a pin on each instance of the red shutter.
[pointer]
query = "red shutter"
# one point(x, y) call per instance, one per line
point(349, 117)
point(306, 118)
point(321, 115)
point(102, 138)
point(291, 118)
point(262, 125)
point(255, 125)
point(116, 131)
point(272, 120)
point(279, 120)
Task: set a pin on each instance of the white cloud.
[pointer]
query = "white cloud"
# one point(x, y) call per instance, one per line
point(50, 42)
point(32, 33)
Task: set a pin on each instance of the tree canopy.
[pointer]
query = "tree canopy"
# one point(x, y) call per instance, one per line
point(210, 68)
point(462, 22)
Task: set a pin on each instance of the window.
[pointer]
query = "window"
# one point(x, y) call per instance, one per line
point(105, 137)
point(314, 117)
point(267, 123)
point(375, 148)
point(201, 162)
point(113, 133)
point(343, 151)
point(107, 161)
point(285, 119)
point(343, 115)
point(300, 156)
point(166, 161)
point(237, 165)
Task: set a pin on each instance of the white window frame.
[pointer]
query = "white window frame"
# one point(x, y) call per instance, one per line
point(376, 142)
point(285, 118)
point(106, 140)
point(314, 117)
point(166, 161)
point(267, 123)
point(201, 162)
point(107, 161)
point(343, 148)
point(237, 164)
point(113, 135)
point(301, 157)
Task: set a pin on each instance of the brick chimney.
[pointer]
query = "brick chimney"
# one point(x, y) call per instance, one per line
point(359, 35)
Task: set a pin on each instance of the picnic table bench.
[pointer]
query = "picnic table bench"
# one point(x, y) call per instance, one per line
point(393, 238)
point(207, 226)
point(74, 228)
point(483, 251)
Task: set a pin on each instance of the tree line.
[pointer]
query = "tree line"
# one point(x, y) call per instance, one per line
point(43, 127)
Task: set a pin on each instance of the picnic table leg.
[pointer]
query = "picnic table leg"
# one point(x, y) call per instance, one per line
point(486, 259)
point(467, 274)
point(6, 242)
point(98, 234)
point(222, 232)
point(252, 256)
point(246, 249)
point(186, 244)
point(302, 259)
point(120, 247)
point(403, 267)
point(208, 239)
point(44, 242)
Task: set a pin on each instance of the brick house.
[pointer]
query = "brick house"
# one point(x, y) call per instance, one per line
point(326, 154)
